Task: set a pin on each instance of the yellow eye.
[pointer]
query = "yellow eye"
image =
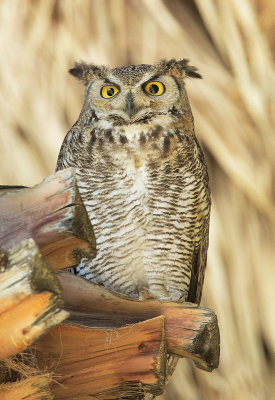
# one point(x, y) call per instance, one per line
point(154, 88)
point(109, 91)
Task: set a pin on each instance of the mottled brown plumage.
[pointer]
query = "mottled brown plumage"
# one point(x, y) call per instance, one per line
point(143, 179)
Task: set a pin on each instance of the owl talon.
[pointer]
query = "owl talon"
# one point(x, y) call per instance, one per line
point(176, 296)
point(181, 298)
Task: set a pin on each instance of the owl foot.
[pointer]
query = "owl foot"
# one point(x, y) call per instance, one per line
point(177, 296)
point(182, 297)
point(145, 294)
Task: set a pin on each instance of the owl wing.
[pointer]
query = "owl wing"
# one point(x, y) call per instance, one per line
point(198, 270)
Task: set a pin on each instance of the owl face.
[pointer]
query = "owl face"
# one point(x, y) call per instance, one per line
point(137, 93)
point(133, 101)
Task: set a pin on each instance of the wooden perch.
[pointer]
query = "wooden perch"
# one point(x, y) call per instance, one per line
point(30, 298)
point(104, 363)
point(52, 213)
point(191, 331)
point(112, 347)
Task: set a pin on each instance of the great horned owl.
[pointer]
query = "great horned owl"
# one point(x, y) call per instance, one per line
point(143, 179)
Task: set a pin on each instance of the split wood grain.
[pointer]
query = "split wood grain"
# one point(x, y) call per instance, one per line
point(23, 273)
point(30, 298)
point(94, 363)
point(34, 388)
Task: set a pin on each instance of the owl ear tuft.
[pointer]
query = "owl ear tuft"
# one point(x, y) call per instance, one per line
point(85, 72)
point(180, 68)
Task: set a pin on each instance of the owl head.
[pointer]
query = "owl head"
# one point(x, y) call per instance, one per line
point(136, 93)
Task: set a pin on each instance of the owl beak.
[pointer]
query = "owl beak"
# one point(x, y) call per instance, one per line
point(130, 107)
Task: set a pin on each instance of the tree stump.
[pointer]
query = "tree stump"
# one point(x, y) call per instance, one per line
point(113, 347)
point(191, 331)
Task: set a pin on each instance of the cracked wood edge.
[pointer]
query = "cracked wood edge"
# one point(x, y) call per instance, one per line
point(53, 214)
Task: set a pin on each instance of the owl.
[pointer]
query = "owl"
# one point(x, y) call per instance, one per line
point(143, 179)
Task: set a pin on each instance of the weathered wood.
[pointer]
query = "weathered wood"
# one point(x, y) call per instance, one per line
point(26, 322)
point(52, 213)
point(93, 363)
point(33, 388)
point(30, 298)
point(3, 260)
point(191, 331)
point(24, 273)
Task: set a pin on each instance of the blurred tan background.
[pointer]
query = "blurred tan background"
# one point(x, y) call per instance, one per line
point(232, 42)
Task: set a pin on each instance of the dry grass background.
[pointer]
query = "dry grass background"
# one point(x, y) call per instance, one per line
point(232, 42)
